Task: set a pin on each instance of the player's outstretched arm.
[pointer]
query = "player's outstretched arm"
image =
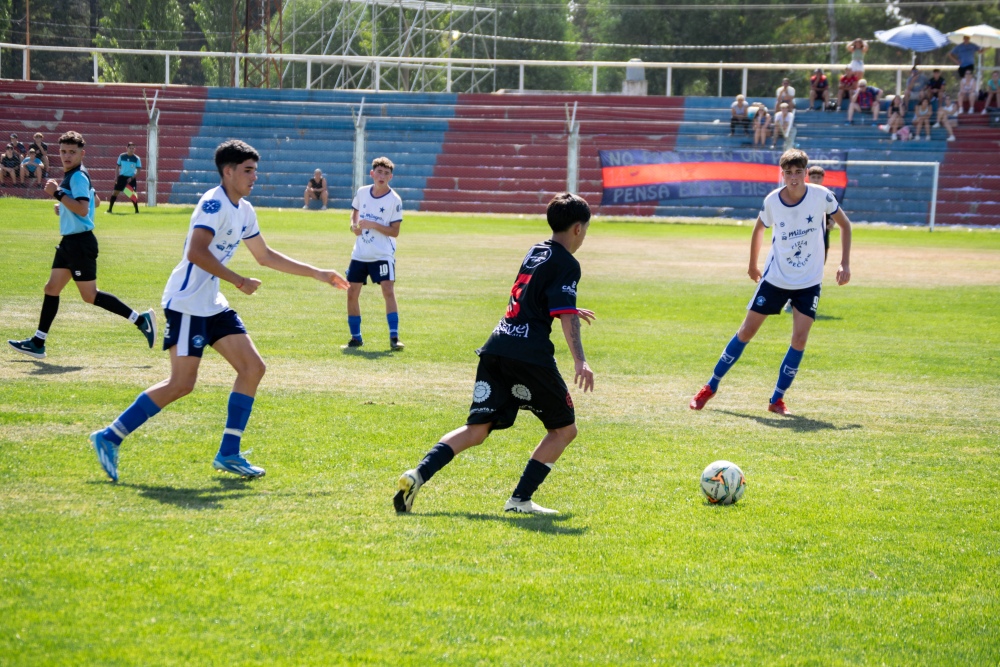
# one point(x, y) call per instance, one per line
point(584, 377)
point(756, 239)
point(272, 259)
point(844, 272)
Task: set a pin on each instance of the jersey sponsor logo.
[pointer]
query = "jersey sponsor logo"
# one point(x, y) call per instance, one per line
point(481, 391)
point(211, 206)
point(789, 371)
point(728, 358)
point(198, 341)
point(569, 289)
point(521, 392)
point(536, 257)
point(800, 254)
point(517, 331)
point(796, 233)
point(476, 411)
point(829, 198)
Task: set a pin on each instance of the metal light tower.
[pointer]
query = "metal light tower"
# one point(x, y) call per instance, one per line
point(257, 28)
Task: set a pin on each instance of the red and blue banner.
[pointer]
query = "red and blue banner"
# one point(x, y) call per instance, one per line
point(633, 176)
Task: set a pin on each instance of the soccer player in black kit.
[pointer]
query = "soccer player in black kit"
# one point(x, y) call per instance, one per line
point(517, 368)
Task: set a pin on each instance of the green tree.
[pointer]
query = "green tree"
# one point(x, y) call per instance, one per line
point(138, 24)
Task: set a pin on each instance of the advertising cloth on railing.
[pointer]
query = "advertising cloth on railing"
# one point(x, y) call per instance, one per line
point(634, 175)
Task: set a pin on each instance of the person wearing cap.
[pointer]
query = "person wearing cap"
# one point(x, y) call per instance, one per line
point(819, 89)
point(739, 109)
point(866, 98)
point(32, 167)
point(129, 165)
point(784, 94)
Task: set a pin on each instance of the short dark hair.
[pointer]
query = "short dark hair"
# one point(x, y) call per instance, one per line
point(383, 162)
point(74, 138)
point(234, 152)
point(793, 157)
point(565, 210)
point(131, 143)
point(817, 170)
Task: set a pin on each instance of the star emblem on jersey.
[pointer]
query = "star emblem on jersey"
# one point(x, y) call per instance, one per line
point(381, 209)
point(521, 392)
point(211, 206)
point(809, 219)
point(481, 391)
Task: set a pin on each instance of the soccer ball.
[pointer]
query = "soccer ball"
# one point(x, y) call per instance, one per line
point(723, 483)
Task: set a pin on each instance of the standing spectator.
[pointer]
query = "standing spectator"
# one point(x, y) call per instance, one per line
point(784, 95)
point(784, 124)
point(32, 167)
point(968, 91)
point(916, 87)
point(946, 116)
point(128, 167)
point(992, 91)
point(9, 165)
point(316, 189)
point(936, 85)
point(866, 98)
point(18, 146)
point(858, 48)
point(41, 149)
point(739, 109)
point(819, 89)
point(964, 55)
point(846, 87)
point(761, 124)
point(897, 116)
point(922, 119)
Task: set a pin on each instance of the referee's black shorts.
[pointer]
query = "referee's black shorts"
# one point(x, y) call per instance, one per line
point(122, 181)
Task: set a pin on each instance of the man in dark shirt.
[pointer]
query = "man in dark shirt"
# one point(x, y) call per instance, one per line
point(517, 369)
point(935, 85)
point(18, 146)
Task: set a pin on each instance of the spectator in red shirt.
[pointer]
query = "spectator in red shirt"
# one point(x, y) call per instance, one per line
point(819, 89)
point(848, 84)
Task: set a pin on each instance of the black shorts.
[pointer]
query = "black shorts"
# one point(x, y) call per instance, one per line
point(191, 333)
point(78, 253)
point(769, 300)
point(965, 68)
point(317, 194)
point(504, 386)
point(122, 181)
point(359, 272)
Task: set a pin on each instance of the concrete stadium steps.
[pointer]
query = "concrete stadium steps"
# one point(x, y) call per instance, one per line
point(969, 188)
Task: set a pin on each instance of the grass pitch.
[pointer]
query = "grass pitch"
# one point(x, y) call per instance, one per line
point(869, 533)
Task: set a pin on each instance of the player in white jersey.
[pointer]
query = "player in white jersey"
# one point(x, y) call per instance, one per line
point(796, 215)
point(199, 315)
point(375, 220)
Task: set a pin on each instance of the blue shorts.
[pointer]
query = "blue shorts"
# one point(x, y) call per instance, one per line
point(769, 300)
point(359, 272)
point(191, 333)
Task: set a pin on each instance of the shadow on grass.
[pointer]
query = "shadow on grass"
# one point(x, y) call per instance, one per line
point(42, 368)
point(367, 354)
point(796, 423)
point(538, 523)
point(196, 499)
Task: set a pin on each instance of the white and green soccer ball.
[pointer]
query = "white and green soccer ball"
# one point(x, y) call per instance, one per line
point(723, 483)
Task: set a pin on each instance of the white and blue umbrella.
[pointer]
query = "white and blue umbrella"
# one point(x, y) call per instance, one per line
point(913, 37)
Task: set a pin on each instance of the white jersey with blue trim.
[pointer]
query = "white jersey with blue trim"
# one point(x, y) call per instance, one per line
point(192, 290)
point(372, 246)
point(796, 257)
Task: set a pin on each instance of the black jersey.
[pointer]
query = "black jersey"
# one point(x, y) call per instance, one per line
point(545, 288)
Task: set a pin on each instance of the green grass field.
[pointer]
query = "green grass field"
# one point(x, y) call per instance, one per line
point(869, 533)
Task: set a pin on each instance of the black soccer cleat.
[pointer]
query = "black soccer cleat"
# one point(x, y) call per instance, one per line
point(396, 344)
point(354, 342)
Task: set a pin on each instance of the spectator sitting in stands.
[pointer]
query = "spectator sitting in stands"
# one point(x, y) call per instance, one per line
point(32, 167)
point(866, 98)
point(922, 119)
point(848, 84)
point(18, 146)
point(761, 123)
point(819, 89)
point(316, 189)
point(916, 87)
point(992, 91)
point(936, 85)
point(946, 116)
point(964, 55)
point(739, 109)
point(41, 149)
point(785, 94)
point(897, 116)
point(9, 165)
point(858, 48)
point(968, 91)
point(784, 124)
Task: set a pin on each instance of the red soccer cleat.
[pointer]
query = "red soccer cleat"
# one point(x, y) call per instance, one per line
point(701, 398)
point(779, 407)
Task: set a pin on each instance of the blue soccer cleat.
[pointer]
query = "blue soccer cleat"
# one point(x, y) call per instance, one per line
point(28, 347)
point(107, 454)
point(147, 325)
point(236, 464)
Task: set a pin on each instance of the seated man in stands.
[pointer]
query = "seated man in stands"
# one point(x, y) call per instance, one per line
point(41, 149)
point(10, 165)
point(739, 109)
point(848, 84)
point(936, 85)
point(992, 92)
point(866, 99)
point(19, 148)
point(784, 95)
point(916, 87)
point(316, 189)
point(819, 89)
point(32, 167)
point(784, 125)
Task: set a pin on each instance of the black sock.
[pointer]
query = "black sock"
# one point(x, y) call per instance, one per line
point(136, 205)
point(50, 306)
point(439, 456)
point(110, 303)
point(111, 203)
point(533, 475)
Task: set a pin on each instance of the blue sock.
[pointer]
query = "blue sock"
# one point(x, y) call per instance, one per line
point(354, 323)
point(240, 406)
point(134, 416)
point(393, 319)
point(729, 357)
point(789, 367)
point(439, 456)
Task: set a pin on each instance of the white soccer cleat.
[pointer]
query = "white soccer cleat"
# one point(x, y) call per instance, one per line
point(526, 507)
point(409, 483)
